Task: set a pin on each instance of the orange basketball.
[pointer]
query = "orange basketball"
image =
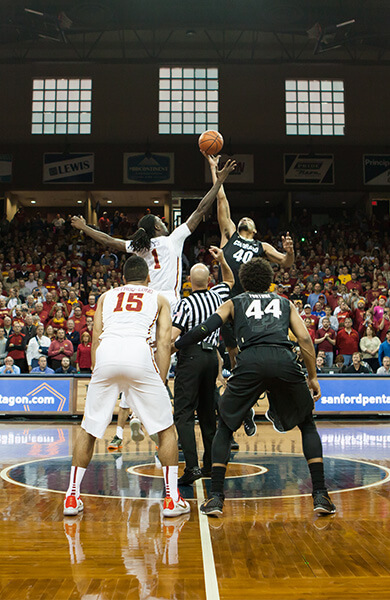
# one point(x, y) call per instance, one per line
point(210, 142)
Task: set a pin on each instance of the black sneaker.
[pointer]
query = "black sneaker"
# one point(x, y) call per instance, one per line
point(234, 445)
point(322, 504)
point(249, 423)
point(274, 419)
point(213, 507)
point(189, 476)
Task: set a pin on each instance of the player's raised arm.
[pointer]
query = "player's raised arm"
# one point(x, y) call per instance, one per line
point(226, 225)
point(97, 329)
point(227, 273)
point(98, 236)
point(206, 202)
point(306, 345)
point(163, 337)
point(273, 255)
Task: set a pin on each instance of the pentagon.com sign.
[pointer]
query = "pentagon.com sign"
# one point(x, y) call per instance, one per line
point(19, 394)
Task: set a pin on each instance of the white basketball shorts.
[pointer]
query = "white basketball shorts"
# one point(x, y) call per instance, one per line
point(129, 369)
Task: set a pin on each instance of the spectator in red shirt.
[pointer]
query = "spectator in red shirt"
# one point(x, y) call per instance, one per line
point(16, 347)
point(310, 329)
point(384, 325)
point(78, 318)
point(48, 304)
point(332, 296)
point(354, 284)
point(343, 313)
point(358, 314)
point(347, 341)
point(88, 327)
point(83, 361)
point(326, 341)
point(90, 308)
point(104, 223)
point(59, 348)
point(307, 315)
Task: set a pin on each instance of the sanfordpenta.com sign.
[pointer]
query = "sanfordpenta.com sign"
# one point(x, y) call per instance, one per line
point(354, 394)
point(34, 395)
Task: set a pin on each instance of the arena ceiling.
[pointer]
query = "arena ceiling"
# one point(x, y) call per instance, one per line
point(213, 31)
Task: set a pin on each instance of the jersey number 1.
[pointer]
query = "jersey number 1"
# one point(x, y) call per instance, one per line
point(156, 261)
point(134, 302)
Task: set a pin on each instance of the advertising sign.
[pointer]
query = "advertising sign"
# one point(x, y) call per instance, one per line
point(73, 167)
point(354, 395)
point(22, 394)
point(5, 168)
point(376, 169)
point(243, 173)
point(20, 441)
point(151, 169)
point(304, 169)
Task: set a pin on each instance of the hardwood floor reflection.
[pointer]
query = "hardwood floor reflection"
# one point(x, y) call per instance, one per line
point(273, 548)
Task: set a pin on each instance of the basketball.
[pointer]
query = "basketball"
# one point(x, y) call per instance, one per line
point(210, 142)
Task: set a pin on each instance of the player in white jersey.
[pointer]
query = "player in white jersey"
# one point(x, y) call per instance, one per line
point(123, 361)
point(152, 241)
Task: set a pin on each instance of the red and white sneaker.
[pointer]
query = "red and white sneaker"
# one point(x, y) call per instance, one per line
point(73, 506)
point(174, 509)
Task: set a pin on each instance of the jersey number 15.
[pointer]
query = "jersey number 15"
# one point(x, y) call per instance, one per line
point(134, 302)
point(272, 308)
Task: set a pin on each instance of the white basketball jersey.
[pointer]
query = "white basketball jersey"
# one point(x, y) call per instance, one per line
point(164, 261)
point(129, 311)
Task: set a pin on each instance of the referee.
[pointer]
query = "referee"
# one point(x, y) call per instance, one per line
point(197, 367)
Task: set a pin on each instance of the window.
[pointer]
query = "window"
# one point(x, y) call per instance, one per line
point(314, 107)
point(61, 106)
point(188, 100)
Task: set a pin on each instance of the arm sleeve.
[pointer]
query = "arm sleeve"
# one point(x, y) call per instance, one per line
point(199, 332)
point(129, 245)
point(178, 237)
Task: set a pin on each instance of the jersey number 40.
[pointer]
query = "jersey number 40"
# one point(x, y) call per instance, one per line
point(273, 308)
point(242, 256)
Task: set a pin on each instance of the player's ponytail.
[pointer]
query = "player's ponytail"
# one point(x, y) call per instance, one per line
point(145, 232)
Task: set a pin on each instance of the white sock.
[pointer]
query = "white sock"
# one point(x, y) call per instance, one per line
point(119, 432)
point(76, 477)
point(170, 480)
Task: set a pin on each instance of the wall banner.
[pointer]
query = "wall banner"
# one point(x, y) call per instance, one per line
point(68, 168)
point(34, 394)
point(243, 173)
point(154, 169)
point(376, 169)
point(304, 169)
point(5, 168)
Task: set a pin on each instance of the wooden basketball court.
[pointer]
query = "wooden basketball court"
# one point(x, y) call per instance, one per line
point(268, 544)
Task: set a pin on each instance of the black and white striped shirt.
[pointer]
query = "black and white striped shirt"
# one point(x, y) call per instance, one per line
point(198, 307)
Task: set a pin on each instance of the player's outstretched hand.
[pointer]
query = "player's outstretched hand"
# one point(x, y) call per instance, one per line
point(230, 165)
point(216, 253)
point(212, 160)
point(78, 222)
point(315, 389)
point(287, 243)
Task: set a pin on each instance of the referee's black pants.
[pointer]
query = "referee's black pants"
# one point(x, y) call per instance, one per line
point(194, 387)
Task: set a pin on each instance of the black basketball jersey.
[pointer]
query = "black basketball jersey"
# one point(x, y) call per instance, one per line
point(238, 251)
point(261, 319)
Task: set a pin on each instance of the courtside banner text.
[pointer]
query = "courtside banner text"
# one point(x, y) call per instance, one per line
point(309, 170)
point(19, 394)
point(39, 442)
point(152, 168)
point(376, 169)
point(243, 173)
point(354, 394)
point(68, 168)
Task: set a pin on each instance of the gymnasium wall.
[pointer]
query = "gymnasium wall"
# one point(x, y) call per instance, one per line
point(125, 114)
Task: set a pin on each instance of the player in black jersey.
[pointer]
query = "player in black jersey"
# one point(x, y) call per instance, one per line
point(239, 247)
point(265, 362)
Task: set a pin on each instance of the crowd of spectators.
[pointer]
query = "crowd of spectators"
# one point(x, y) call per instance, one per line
point(51, 277)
